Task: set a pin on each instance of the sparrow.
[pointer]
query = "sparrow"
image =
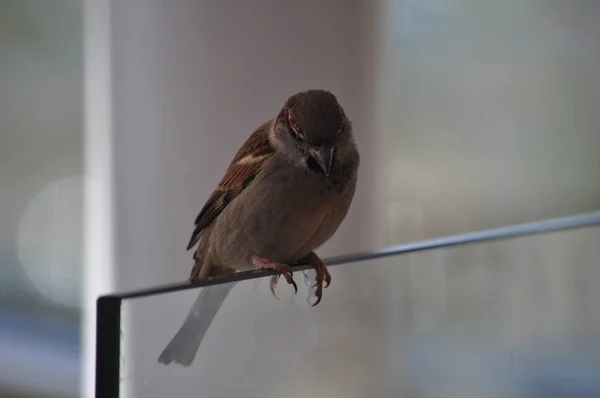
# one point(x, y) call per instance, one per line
point(285, 193)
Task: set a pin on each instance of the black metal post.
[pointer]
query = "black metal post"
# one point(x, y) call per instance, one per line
point(108, 336)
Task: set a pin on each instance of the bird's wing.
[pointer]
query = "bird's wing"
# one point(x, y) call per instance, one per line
point(241, 172)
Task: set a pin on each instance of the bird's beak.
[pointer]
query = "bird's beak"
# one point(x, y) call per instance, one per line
point(323, 157)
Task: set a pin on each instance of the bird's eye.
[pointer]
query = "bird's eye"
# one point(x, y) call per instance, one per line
point(298, 134)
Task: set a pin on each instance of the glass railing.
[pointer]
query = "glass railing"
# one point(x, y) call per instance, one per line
point(511, 312)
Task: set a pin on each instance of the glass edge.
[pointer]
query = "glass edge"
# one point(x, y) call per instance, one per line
point(513, 231)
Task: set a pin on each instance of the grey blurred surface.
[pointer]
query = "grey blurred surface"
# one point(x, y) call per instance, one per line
point(511, 318)
point(41, 197)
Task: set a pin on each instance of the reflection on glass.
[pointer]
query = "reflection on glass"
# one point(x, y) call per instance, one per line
point(488, 112)
point(512, 318)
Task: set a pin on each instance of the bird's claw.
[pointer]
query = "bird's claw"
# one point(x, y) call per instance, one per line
point(280, 268)
point(273, 284)
point(325, 277)
point(322, 276)
point(275, 279)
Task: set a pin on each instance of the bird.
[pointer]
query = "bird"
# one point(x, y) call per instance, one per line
point(285, 193)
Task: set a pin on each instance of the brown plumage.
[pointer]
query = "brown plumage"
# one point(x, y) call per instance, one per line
point(285, 193)
point(242, 170)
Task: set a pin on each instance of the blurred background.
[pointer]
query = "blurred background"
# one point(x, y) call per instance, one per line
point(469, 114)
point(41, 197)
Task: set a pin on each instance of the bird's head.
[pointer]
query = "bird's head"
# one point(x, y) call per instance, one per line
point(313, 130)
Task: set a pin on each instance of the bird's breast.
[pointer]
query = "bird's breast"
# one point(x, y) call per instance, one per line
point(282, 216)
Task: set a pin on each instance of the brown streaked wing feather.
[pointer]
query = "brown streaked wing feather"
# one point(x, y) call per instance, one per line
point(241, 172)
point(257, 144)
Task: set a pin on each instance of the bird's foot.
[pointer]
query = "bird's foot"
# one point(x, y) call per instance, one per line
point(261, 263)
point(322, 275)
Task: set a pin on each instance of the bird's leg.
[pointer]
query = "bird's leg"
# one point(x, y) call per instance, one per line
point(321, 271)
point(261, 263)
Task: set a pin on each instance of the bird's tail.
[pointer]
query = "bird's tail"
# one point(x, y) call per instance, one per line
point(183, 347)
